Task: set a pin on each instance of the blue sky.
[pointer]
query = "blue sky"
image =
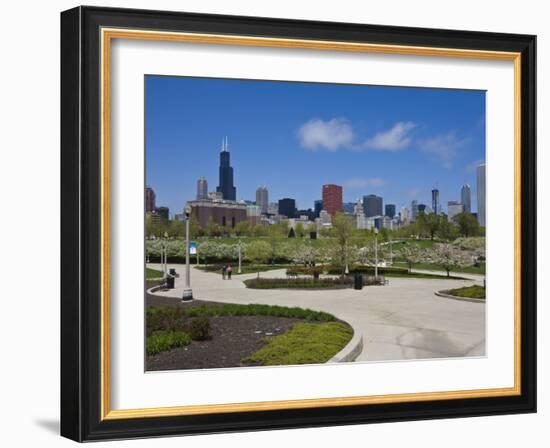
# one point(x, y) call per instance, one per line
point(395, 142)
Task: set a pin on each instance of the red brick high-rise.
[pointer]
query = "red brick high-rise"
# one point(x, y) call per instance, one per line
point(332, 199)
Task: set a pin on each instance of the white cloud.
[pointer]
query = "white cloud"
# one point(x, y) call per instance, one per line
point(394, 139)
point(330, 135)
point(444, 147)
point(359, 182)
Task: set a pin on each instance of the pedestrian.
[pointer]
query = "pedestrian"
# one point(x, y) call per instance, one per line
point(224, 269)
point(229, 271)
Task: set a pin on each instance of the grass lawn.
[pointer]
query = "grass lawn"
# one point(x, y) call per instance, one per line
point(152, 273)
point(245, 268)
point(305, 344)
point(470, 292)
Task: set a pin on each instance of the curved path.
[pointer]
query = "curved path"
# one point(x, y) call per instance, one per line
point(403, 320)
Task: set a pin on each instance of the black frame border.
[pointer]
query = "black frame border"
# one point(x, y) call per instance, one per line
point(81, 223)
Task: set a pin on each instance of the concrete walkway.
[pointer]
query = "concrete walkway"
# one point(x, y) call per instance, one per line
point(403, 320)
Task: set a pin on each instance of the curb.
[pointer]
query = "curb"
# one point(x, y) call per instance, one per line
point(351, 351)
point(464, 299)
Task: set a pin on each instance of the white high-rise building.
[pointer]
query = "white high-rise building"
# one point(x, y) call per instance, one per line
point(414, 210)
point(466, 198)
point(202, 189)
point(453, 209)
point(481, 194)
point(405, 215)
point(262, 197)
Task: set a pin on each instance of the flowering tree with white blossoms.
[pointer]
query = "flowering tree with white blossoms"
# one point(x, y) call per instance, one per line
point(412, 254)
point(449, 257)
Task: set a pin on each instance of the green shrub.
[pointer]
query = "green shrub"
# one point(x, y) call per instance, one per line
point(200, 328)
point(471, 292)
point(305, 343)
point(161, 341)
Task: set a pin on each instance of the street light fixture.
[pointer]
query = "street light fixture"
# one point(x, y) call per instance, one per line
point(187, 291)
point(375, 254)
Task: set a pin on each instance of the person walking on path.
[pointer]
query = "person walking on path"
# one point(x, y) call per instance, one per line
point(229, 271)
point(224, 270)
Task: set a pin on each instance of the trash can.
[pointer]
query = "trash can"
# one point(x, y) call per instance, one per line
point(358, 281)
point(170, 281)
point(172, 272)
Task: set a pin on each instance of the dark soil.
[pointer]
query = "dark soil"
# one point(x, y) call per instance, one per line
point(233, 339)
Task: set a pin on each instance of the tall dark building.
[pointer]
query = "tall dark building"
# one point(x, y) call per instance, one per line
point(389, 210)
point(372, 205)
point(317, 207)
point(436, 208)
point(164, 213)
point(421, 208)
point(226, 187)
point(287, 207)
point(150, 200)
point(332, 199)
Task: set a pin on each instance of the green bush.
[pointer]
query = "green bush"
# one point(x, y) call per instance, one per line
point(305, 343)
point(200, 328)
point(369, 270)
point(305, 270)
point(297, 283)
point(161, 341)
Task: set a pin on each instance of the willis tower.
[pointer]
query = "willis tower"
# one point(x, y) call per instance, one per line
point(226, 187)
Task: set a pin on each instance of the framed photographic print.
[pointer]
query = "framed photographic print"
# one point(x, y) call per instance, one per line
point(276, 224)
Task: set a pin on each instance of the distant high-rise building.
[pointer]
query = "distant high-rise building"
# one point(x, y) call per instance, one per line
point(273, 208)
point(405, 215)
point(262, 199)
point(414, 210)
point(372, 205)
point(436, 208)
point(287, 207)
point(454, 208)
point(164, 213)
point(481, 194)
point(361, 219)
point(466, 198)
point(389, 210)
point(421, 208)
point(226, 187)
point(150, 200)
point(317, 207)
point(202, 188)
point(349, 207)
point(332, 199)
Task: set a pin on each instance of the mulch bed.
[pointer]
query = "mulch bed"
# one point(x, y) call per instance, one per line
point(233, 338)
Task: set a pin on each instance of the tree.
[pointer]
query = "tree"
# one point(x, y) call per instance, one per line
point(447, 230)
point(449, 257)
point(342, 228)
point(428, 224)
point(467, 224)
point(242, 228)
point(213, 229)
point(304, 254)
point(299, 230)
point(412, 254)
point(257, 252)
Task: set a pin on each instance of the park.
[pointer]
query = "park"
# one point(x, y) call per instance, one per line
point(345, 295)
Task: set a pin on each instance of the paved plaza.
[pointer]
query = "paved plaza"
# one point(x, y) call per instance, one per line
point(402, 320)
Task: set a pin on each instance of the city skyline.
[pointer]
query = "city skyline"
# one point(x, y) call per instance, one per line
point(317, 151)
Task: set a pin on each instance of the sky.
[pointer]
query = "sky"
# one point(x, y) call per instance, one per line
point(395, 142)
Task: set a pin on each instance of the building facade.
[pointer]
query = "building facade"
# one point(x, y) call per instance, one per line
point(481, 194)
point(414, 210)
point(223, 213)
point(436, 208)
point(202, 188)
point(389, 210)
point(226, 186)
point(262, 199)
point(466, 198)
point(150, 200)
point(317, 207)
point(164, 213)
point(287, 207)
point(372, 205)
point(332, 199)
point(454, 208)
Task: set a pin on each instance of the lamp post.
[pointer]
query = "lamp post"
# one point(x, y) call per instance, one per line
point(375, 253)
point(187, 291)
point(165, 254)
point(240, 256)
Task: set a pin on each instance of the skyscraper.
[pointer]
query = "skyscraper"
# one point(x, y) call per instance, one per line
point(436, 208)
point(287, 207)
point(202, 189)
point(454, 208)
point(226, 187)
point(466, 198)
point(164, 213)
point(150, 200)
point(262, 199)
point(481, 194)
point(421, 208)
point(317, 207)
point(372, 205)
point(414, 210)
point(389, 210)
point(332, 199)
